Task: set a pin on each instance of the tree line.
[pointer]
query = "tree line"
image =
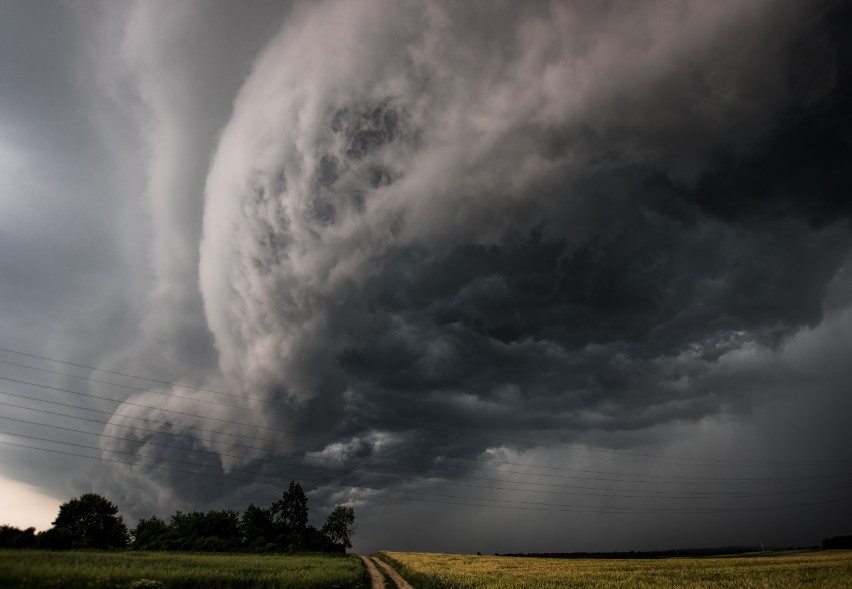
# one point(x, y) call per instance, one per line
point(93, 522)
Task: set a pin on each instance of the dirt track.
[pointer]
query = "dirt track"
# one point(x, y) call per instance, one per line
point(400, 582)
point(377, 581)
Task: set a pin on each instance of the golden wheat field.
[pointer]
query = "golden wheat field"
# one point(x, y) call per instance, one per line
point(446, 571)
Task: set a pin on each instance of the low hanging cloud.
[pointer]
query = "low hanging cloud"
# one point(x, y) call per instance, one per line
point(561, 223)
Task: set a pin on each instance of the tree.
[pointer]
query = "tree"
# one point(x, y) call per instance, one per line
point(339, 526)
point(93, 522)
point(837, 542)
point(55, 539)
point(258, 528)
point(214, 531)
point(316, 541)
point(12, 537)
point(290, 515)
point(223, 531)
point(150, 534)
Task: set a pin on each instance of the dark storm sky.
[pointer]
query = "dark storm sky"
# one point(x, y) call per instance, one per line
point(505, 277)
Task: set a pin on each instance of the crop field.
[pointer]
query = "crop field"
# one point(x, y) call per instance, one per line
point(451, 571)
point(38, 569)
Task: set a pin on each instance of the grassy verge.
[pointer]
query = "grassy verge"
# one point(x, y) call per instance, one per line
point(832, 569)
point(37, 569)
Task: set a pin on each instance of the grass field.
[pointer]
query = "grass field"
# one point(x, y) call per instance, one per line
point(452, 571)
point(38, 569)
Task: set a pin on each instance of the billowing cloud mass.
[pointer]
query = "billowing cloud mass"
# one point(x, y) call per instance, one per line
point(499, 216)
point(485, 266)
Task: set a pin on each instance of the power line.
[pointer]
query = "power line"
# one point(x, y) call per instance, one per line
point(541, 506)
point(131, 404)
point(732, 480)
point(341, 452)
point(256, 410)
point(219, 476)
point(564, 490)
point(186, 462)
point(371, 445)
point(196, 399)
point(522, 505)
point(398, 423)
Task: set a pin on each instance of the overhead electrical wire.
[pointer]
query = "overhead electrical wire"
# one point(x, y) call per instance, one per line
point(238, 407)
point(256, 410)
point(295, 433)
point(589, 471)
point(564, 489)
point(398, 423)
point(379, 457)
point(495, 503)
point(372, 494)
point(439, 478)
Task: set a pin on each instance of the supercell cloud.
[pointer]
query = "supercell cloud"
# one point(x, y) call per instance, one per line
point(472, 234)
point(517, 219)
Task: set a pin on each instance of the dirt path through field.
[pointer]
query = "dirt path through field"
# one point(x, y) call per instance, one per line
point(400, 582)
point(377, 581)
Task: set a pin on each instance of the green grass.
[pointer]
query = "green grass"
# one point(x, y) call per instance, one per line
point(832, 569)
point(39, 569)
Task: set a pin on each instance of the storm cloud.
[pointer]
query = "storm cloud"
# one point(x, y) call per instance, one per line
point(517, 242)
point(425, 254)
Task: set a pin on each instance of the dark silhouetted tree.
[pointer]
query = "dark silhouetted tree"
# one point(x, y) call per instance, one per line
point(258, 528)
point(290, 515)
point(214, 531)
point(93, 522)
point(339, 526)
point(12, 537)
point(837, 542)
point(316, 541)
point(55, 539)
point(150, 534)
point(225, 534)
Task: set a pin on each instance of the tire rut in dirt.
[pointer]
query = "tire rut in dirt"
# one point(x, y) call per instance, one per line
point(400, 582)
point(377, 581)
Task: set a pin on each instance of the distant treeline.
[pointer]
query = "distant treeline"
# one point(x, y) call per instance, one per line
point(91, 521)
point(837, 542)
point(695, 552)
